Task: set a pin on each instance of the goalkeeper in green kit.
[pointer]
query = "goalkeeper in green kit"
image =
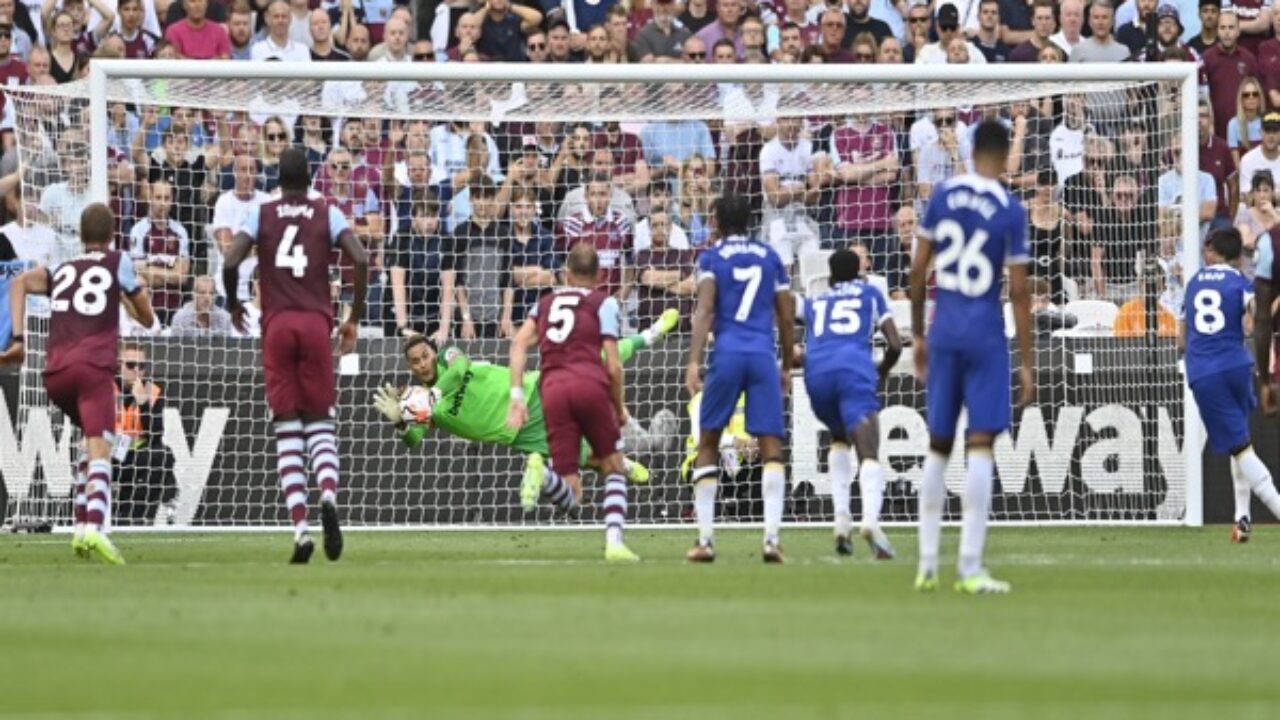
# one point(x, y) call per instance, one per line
point(471, 403)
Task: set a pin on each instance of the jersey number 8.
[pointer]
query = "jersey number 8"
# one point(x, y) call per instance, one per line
point(1209, 317)
point(90, 298)
point(962, 267)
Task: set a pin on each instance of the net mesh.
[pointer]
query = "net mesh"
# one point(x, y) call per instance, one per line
point(467, 196)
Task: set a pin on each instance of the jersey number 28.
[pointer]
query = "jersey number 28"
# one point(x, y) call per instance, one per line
point(962, 267)
point(88, 299)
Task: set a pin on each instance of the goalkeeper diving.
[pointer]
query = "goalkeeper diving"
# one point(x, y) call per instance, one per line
point(471, 403)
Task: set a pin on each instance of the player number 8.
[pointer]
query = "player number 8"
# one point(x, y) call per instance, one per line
point(90, 298)
point(1209, 317)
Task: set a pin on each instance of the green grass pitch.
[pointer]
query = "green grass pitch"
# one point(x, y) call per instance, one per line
point(1103, 623)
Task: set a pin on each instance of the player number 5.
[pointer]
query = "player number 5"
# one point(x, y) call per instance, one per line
point(561, 318)
point(290, 256)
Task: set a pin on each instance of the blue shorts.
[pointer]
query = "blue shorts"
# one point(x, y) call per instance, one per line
point(841, 400)
point(1226, 399)
point(974, 378)
point(732, 374)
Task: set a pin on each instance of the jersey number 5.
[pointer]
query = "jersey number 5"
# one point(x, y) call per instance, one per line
point(88, 299)
point(962, 267)
point(560, 318)
point(290, 256)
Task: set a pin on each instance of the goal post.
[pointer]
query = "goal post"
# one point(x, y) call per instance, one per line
point(1110, 440)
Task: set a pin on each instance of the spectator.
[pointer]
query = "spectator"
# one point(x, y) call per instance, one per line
point(62, 53)
point(418, 187)
point(576, 201)
point(359, 204)
point(449, 150)
point(865, 272)
point(139, 43)
point(459, 185)
point(502, 29)
point(195, 37)
point(832, 27)
point(754, 42)
point(12, 70)
point(300, 22)
point(615, 26)
point(1044, 24)
point(728, 15)
point(1052, 54)
point(1136, 156)
point(1264, 157)
point(1131, 321)
point(796, 21)
point(229, 213)
point(276, 137)
point(414, 260)
point(1030, 149)
point(987, 38)
point(1082, 201)
point(278, 42)
point(939, 144)
point(1210, 11)
point(724, 52)
point(666, 275)
point(948, 27)
point(1045, 238)
point(1244, 131)
point(860, 21)
point(144, 477)
point(629, 167)
point(695, 51)
point(85, 39)
point(216, 12)
point(1167, 41)
point(660, 199)
point(1016, 21)
point(358, 43)
point(669, 143)
point(1256, 217)
point(25, 34)
point(1102, 46)
point(1224, 68)
point(62, 202)
point(897, 264)
point(240, 31)
point(1255, 23)
point(662, 40)
point(535, 46)
point(696, 16)
point(1216, 160)
point(1139, 32)
point(531, 261)
point(1125, 232)
point(201, 317)
point(919, 21)
point(696, 198)
point(864, 155)
point(322, 47)
point(607, 231)
point(1169, 200)
point(560, 43)
point(161, 250)
point(472, 271)
point(864, 49)
point(582, 15)
point(1071, 24)
point(890, 52)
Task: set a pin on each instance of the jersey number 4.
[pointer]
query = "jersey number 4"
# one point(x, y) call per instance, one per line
point(962, 267)
point(560, 317)
point(290, 256)
point(88, 299)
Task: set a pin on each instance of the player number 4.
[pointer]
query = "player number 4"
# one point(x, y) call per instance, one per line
point(1209, 317)
point(88, 299)
point(290, 256)
point(560, 317)
point(961, 265)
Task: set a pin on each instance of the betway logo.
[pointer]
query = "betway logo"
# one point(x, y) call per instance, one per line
point(19, 457)
point(1108, 464)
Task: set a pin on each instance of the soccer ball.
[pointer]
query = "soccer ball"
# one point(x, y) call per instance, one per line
point(417, 404)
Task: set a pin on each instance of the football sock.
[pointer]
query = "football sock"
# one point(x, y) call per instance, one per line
point(293, 475)
point(932, 495)
point(977, 504)
point(1243, 493)
point(615, 508)
point(81, 502)
point(841, 470)
point(774, 490)
point(557, 492)
point(704, 501)
point(322, 448)
point(98, 492)
point(1259, 478)
point(871, 482)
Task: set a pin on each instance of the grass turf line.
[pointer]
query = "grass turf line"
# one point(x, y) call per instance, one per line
point(1103, 623)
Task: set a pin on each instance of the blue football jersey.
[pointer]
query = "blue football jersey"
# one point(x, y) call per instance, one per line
point(748, 275)
point(976, 228)
point(840, 324)
point(1217, 299)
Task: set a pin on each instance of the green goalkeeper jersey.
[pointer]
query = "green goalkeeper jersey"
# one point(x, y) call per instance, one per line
point(474, 399)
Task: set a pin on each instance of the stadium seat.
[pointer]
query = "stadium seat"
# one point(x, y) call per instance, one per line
point(814, 275)
point(1093, 314)
point(901, 311)
point(1010, 327)
point(1070, 289)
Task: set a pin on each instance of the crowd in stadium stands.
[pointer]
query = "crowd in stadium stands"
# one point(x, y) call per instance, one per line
point(467, 221)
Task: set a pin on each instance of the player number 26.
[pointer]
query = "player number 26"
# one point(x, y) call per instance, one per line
point(90, 298)
point(961, 265)
point(844, 317)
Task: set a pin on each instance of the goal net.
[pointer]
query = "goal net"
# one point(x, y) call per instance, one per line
point(468, 188)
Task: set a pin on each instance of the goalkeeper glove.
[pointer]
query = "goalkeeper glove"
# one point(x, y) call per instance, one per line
point(387, 401)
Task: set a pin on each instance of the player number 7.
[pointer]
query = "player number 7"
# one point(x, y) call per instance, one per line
point(291, 256)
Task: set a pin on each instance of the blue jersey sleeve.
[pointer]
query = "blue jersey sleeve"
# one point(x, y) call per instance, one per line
point(932, 215)
point(251, 222)
point(127, 276)
point(879, 307)
point(337, 224)
point(783, 281)
point(1266, 257)
point(609, 316)
point(1016, 252)
point(706, 266)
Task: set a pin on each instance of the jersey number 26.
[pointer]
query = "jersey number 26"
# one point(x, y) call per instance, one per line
point(962, 267)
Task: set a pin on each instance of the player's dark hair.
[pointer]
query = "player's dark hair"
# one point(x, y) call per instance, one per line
point(733, 214)
point(991, 139)
point(295, 171)
point(1226, 242)
point(583, 261)
point(416, 340)
point(845, 266)
point(97, 225)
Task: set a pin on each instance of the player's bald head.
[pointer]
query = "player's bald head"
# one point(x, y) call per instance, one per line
point(844, 266)
point(584, 263)
point(295, 172)
point(97, 222)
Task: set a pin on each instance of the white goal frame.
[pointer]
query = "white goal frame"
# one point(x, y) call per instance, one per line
point(102, 71)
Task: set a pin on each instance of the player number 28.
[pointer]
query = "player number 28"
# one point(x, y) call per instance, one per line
point(961, 265)
point(844, 317)
point(289, 256)
point(88, 299)
point(561, 318)
point(1209, 318)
